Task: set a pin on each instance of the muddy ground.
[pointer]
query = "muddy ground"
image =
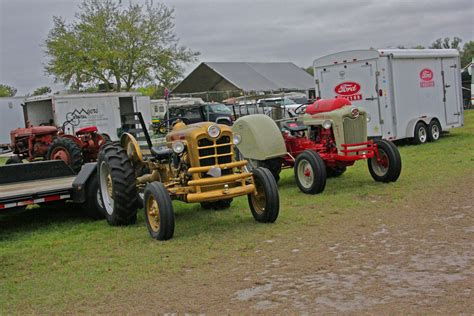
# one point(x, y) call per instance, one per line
point(417, 257)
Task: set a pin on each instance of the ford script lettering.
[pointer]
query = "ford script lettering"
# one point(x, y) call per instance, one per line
point(347, 88)
point(426, 74)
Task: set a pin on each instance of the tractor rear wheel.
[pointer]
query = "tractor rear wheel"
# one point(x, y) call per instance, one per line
point(217, 205)
point(421, 133)
point(389, 167)
point(273, 164)
point(310, 172)
point(434, 131)
point(333, 172)
point(67, 150)
point(13, 160)
point(264, 202)
point(117, 185)
point(159, 214)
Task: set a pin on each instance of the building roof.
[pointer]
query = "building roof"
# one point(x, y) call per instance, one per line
point(227, 76)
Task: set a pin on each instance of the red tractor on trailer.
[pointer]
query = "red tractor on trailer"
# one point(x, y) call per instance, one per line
point(49, 143)
point(327, 137)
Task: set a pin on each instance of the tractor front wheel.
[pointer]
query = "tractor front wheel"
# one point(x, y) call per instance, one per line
point(159, 212)
point(264, 202)
point(310, 172)
point(117, 185)
point(389, 165)
point(67, 150)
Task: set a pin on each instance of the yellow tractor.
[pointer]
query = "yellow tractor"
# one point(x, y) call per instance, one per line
point(197, 164)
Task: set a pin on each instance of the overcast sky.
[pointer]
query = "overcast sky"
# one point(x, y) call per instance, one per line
point(247, 30)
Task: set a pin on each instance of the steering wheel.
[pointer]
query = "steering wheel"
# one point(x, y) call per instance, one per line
point(167, 125)
point(300, 109)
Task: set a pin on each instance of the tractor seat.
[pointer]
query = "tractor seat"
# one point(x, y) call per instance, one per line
point(161, 153)
point(295, 126)
point(86, 130)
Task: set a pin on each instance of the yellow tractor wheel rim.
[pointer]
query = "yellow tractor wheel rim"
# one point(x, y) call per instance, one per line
point(153, 213)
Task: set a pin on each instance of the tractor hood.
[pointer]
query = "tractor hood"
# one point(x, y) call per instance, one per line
point(190, 133)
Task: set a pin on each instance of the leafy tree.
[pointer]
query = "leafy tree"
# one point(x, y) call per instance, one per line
point(42, 90)
point(447, 43)
point(467, 53)
point(310, 70)
point(7, 91)
point(120, 46)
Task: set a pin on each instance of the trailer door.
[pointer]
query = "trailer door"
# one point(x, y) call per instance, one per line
point(452, 103)
point(357, 82)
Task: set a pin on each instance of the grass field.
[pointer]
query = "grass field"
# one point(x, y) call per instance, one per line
point(54, 261)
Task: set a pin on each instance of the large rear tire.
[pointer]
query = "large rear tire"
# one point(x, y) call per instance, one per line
point(389, 167)
point(94, 206)
point(67, 150)
point(265, 201)
point(159, 212)
point(117, 185)
point(310, 172)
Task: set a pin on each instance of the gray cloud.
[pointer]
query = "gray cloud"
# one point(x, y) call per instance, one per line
point(248, 30)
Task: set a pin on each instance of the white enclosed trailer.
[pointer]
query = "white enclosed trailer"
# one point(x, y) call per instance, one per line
point(11, 117)
point(108, 111)
point(409, 93)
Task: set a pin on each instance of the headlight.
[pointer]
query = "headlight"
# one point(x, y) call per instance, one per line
point(237, 139)
point(327, 124)
point(178, 147)
point(214, 131)
point(368, 118)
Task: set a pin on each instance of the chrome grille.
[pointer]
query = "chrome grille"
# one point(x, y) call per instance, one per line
point(355, 130)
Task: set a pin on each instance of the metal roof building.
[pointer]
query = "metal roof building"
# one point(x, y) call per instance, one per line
point(247, 77)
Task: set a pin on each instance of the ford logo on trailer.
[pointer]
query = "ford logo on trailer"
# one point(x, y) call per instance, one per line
point(426, 74)
point(347, 88)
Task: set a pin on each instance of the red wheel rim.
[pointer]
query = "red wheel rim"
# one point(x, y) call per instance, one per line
point(61, 154)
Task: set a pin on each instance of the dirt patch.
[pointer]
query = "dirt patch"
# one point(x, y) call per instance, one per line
point(417, 255)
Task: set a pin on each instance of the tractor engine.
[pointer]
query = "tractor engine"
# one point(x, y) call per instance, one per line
point(32, 141)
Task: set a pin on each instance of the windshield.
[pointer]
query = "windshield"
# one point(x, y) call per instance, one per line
point(219, 108)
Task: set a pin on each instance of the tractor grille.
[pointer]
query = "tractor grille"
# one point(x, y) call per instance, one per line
point(355, 130)
point(215, 151)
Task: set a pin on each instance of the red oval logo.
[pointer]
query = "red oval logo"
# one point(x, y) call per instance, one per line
point(426, 74)
point(347, 88)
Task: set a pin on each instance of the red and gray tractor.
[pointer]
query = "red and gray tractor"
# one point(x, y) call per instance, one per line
point(324, 139)
point(49, 143)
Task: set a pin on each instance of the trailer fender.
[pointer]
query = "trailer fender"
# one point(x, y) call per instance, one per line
point(410, 131)
point(260, 137)
point(79, 184)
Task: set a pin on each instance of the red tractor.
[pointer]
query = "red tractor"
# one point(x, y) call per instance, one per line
point(47, 142)
point(327, 137)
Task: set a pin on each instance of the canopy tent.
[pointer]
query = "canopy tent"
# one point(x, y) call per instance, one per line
point(245, 77)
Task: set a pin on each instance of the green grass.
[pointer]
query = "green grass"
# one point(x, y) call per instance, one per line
point(56, 260)
point(2, 160)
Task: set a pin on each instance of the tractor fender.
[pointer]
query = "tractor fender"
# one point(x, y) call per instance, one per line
point(410, 131)
point(260, 136)
point(79, 184)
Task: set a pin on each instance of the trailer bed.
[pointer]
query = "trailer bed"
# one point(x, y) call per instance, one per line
point(38, 187)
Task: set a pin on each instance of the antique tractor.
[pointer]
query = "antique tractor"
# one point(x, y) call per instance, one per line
point(326, 138)
point(197, 165)
point(46, 142)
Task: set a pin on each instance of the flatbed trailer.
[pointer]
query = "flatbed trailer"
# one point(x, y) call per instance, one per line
point(44, 182)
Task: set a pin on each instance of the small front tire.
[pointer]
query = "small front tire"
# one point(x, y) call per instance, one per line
point(310, 172)
point(265, 201)
point(389, 167)
point(159, 213)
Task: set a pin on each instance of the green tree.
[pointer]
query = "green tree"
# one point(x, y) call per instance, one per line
point(467, 53)
point(120, 46)
point(441, 43)
point(309, 70)
point(7, 91)
point(42, 90)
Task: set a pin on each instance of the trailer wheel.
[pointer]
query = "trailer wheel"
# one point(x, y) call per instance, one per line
point(217, 205)
point(67, 150)
point(421, 133)
point(310, 172)
point(264, 202)
point(434, 131)
point(389, 167)
point(94, 206)
point(13, 160)
point(117, 185)
point(159, 212)
point(333, 172)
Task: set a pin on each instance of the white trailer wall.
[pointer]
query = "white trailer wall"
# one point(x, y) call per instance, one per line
point(11, 117)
